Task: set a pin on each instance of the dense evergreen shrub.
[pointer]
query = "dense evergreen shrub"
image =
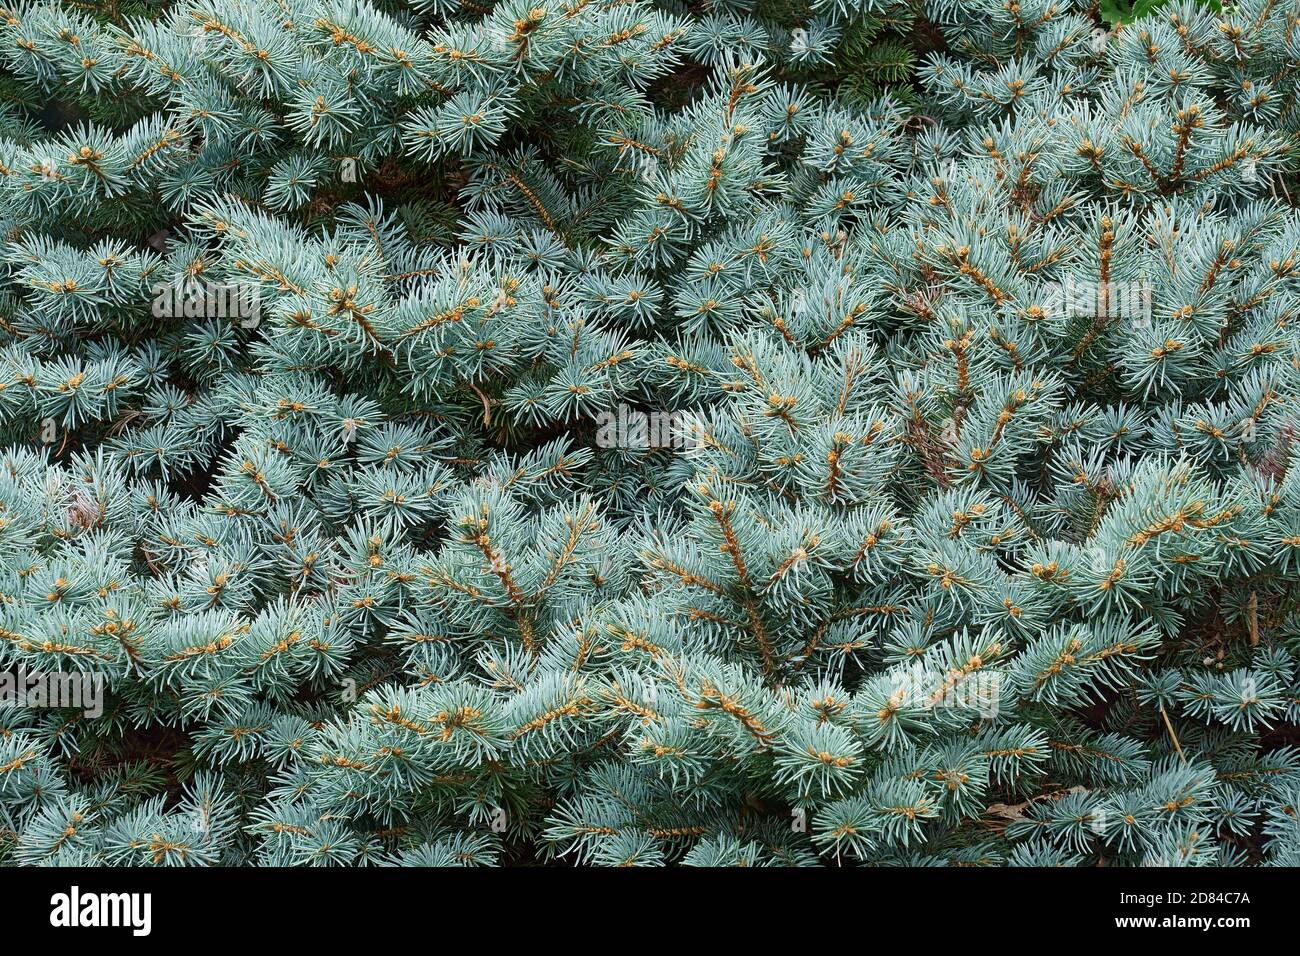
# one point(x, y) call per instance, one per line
point(633, 433)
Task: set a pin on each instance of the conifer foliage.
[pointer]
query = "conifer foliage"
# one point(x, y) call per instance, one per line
point(640, 433)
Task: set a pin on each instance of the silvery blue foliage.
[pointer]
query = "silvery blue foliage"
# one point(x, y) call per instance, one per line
point(437, 434)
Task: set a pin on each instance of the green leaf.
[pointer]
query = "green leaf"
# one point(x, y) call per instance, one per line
point(1114, 11)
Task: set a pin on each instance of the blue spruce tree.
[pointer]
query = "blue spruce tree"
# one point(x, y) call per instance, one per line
point(625, 433)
